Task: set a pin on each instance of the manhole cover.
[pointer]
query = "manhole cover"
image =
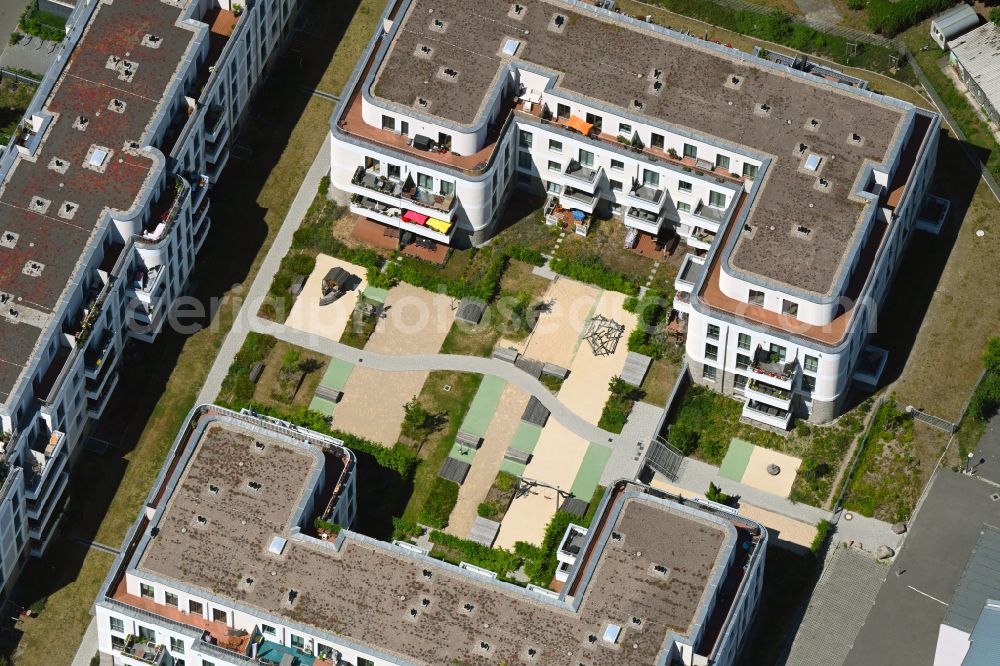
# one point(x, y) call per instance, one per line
point(995, 497)
point(848, 516)
point(446, 388)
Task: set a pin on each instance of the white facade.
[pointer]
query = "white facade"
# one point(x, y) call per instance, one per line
point(135, 267)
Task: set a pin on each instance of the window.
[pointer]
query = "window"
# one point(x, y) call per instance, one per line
point(713, 332)
point(811, 363)
point(444, 140)
point(690, 151)
point(789, 308)
point(651, 178)
point(117, 624)
point(117, 642)
point(196, 608)
point(656, 141)
point(324, 651)
point(616, 186)
point(743, 341)
point(780, 351)
point(555, 146)
point(389, 123)
point(739, 382)
point(684, 186)
point(147, 634)
point(595, 120)
point(554, 188)
point(394, 171)
point(170, 599)
point(742, 361)
point(365, 662)
point(523, 159)
point(562, 111)
point(709, 373)
point(176, 645)
point(750, 170)
point(722, 162)
point(424, 181)
point(555, 166)
point(206, 662)
point(146, 591)
point(808, 383)
point(683, 207)
point(404, 128)
point(524, 139)
point(298, 642)
point(716, 199)
point(712, 352)
point(219, 615)
point(617, 165)
point(756, 298)
point(586, 158)
point(447, 188)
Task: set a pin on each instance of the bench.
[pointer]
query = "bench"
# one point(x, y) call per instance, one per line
point(468, 439)
point(516, 455)
point(327, 393)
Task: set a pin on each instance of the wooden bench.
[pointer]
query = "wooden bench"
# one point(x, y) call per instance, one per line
point(327, 393)
point(468, 439)
point(516, 455)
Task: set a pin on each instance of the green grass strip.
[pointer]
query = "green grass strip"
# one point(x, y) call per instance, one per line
point(591, 468)
point(484, 406)
point(336, 374)
point(737, 458)
point(526, 437)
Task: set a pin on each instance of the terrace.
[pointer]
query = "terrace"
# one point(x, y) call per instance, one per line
point(767, 414)
point(582, 174)
point(421, 196)
point(767, 394)
point(371, 180)
point(165, 211)
point(645, 196)
point(644, 220)
point(574, 198)
point(142, 650)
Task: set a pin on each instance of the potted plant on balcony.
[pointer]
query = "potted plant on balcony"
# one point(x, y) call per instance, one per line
point(672, 153)
point(237, 9)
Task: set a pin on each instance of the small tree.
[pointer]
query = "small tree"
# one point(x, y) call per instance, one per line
point(715, 494)
point(995, 15)
point(619, 387)
point(416, 419)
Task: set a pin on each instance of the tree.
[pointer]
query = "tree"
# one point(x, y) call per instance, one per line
point(416, 419)
point(995, 15)
point(991, 357)
point(715, 494)
point(619, 387)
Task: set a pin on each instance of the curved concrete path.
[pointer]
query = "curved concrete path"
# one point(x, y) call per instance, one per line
point(247, 320)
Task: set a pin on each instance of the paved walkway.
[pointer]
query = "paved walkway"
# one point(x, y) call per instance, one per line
point(31, 53)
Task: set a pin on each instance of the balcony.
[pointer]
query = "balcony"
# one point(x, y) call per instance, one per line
point(45, 459)
point(99, 356)
point(163, 214)
point(643, 220)
point(645, 197)
point(374, 182)
point(777, 372)
point(574, 198)
point(141, 650)
point(700, 239)
point(767, 414)
point(582, 177)
point(90, 313)
point(214, 116)
point(689, 273)
point(428, 203)
point(682, 301)
point(768, 394)
point(96, 406)
point(393, 216)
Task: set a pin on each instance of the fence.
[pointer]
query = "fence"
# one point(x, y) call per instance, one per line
point(19, 77)
point(846, 481)
point(931, 420)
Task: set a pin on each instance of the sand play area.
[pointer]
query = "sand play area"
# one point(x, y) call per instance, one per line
point(416, 322)
point(557, 332)
point(749, 464)
point(327, 321)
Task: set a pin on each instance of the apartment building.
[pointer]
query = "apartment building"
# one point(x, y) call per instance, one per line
point(793, 187)
point(219, 572)
point(105, 207)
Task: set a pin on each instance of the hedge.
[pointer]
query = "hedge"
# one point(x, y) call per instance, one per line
point(893, 17)
point(503, 562)
point(44, 25)
point(440, 503)
point(652, 309)
point(592, 270)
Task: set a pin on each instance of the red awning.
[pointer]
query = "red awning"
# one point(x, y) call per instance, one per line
point(580, 125)
point(414, 217)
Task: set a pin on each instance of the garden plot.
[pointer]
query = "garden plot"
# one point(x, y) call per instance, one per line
point(327, 321)
point(568, 305)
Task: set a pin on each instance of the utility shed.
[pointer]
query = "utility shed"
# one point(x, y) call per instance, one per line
point(976, 58)
point(952, 23)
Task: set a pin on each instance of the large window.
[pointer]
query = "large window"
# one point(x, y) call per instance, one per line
point(750, 170)
point(146, 591)
point(624, 129)
point(709, 373)
point(595, 120)
point(196, 608)
point(810, 363)
point(716, 199)
point(712, 332)
point(298, 642)
point(711, 352)
point(117, 624)
point(147, 634)
point(424, 181)
point(743, 341)
point(617, 165)
point(656, 141)
point(365, 662)
point(650, 178)
point(220, 615)
point(616, 185)
point(780, 351)
point(808, 383)
point(690, 151)
point(170, 599)
point(789, 308)
point(268, 629)
point(563, 111)
point(586, 158)
point(555, 146)
point(176, 645)
point(739, 382)
point(683, 207)
point(447, 188)
point(684, 186)
point(554, 188)
point(555, 166)
point(389, 123)
point(524, 139)
point(756, 298)
point(523, 159)
point(722, 162)
point(742, 361)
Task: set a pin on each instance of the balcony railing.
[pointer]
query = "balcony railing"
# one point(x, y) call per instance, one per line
point(767, 389)
point(166, 218)
point(582, 173)
point(773, 416)
point(423, 197)
point(779, 370)
point(646, 193)
point(144, 651)
point(588, 200)
point(376, 183)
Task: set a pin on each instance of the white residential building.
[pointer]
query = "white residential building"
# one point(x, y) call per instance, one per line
point(219, 571)
point(105, 208)
point(794, 188)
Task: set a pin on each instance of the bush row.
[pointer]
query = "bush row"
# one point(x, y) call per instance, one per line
point(440, 503)
point(593, 271)
point(503, 562)
point(43, 25)
point(237, 388)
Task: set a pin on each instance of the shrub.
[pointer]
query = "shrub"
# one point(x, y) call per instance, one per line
point(991, 357)
point(237, 389)
point(994, 15)
point(986, 398)
point(684, 438)
point(715, 494)
point(405, 529)
point(891, 17)
point(503, 562)
point(857, 5)
point(440, 503)
point(326, 526)
point(15, 37)
point(526, 254)
point(490, 509)
point(592, 270)
point(416, 419)
point(823, 529)
point(540, 567)
point(44, 25)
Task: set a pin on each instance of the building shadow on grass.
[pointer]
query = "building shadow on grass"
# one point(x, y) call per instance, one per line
point(956, 179)
point(239, 229)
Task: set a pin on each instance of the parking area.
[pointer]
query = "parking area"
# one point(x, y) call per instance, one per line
point(327, 321)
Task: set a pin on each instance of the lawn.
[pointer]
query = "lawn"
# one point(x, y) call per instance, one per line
point(449, 408)
point(660, 380)
point(14, 100)
point(159, 387)
point(714, 420)
point(291, 375)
